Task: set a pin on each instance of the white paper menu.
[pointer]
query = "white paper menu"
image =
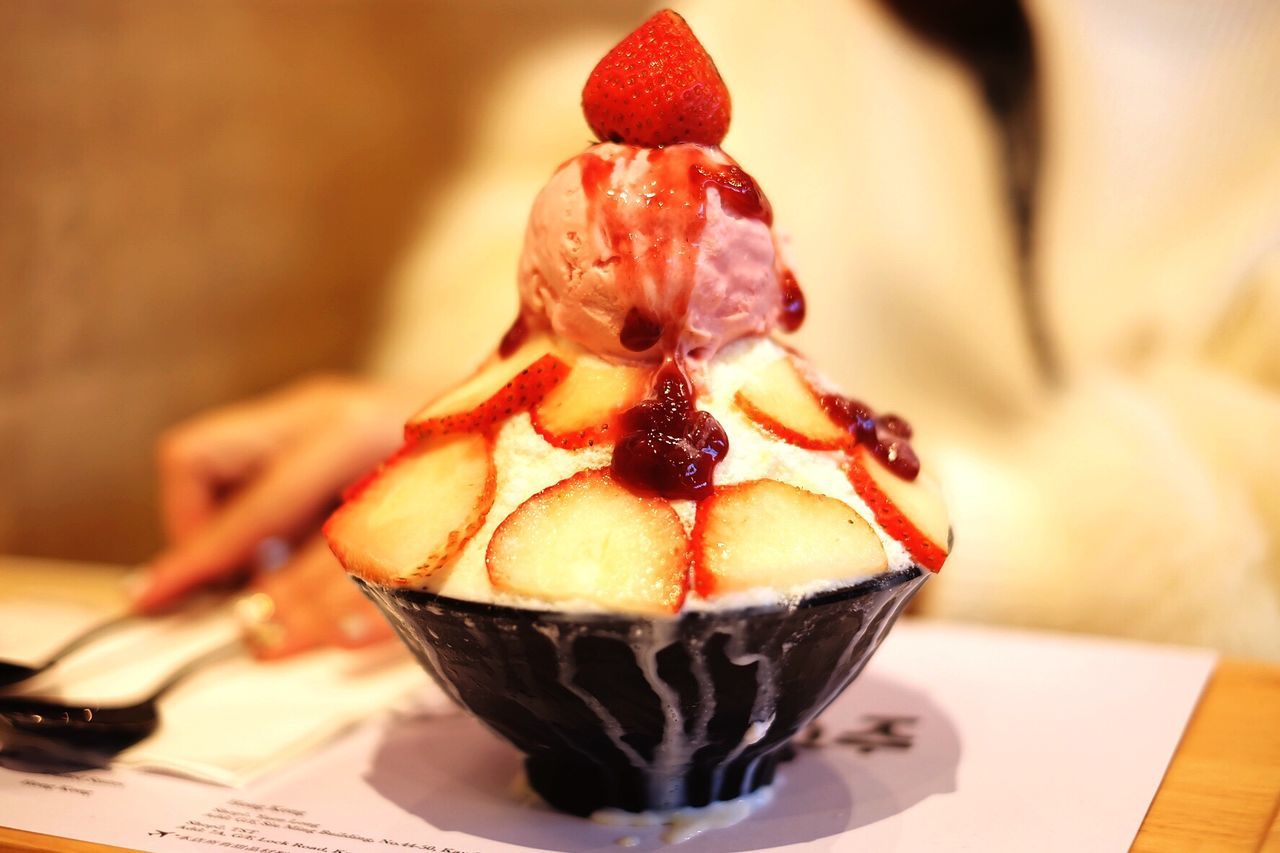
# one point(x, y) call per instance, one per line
point(955, 738)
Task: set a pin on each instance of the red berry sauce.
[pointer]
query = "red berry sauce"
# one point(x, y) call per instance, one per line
point(639, 331)
point(738, 191)
point(793, 307)
point(667, 446)
point(741, 194)
point(888, 437)
point(515, 336)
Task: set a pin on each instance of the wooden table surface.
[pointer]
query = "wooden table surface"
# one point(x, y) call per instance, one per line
point(1220, 793)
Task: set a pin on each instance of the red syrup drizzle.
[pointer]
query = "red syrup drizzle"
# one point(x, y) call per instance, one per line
point(738, 190)
point(667, 445)
point(793, 307)
point(740, 193)
point(669, 209)
point(659, 209)
point(639, 331)
point(888, 437)
point(515, 336)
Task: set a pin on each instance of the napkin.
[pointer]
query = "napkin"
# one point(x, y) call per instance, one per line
point(232, 721)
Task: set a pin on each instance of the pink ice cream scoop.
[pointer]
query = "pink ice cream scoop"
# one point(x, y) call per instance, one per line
point(636, 252)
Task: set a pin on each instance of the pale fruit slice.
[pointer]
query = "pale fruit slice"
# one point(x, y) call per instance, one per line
point(781, 399)
point(499, 389)
point(910, 511)
point(588, 538)
point(765, 533)
point(411, 516)
point(583, 409)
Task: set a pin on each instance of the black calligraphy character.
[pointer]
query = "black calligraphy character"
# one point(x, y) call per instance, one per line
point(810, 738)
point(882, 732)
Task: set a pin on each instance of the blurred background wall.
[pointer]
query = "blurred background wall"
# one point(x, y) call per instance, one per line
point(199, 201)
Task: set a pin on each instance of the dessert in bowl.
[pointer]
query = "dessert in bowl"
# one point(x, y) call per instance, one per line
point(646, 542)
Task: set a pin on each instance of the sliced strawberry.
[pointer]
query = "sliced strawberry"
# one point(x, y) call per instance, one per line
point(500, 389)
point(583, 409)
point(765, 533)
point(780, 399)
point(588, 538)
point(657, 87)
point(416, 512)
point(911, 511)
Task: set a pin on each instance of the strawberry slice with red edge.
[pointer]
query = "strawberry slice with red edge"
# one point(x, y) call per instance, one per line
point(779, 398)
point(583, 410)
point(589, 538)
point(412, 515)
point(657, 87)
point(736, 545)
point(911, 511)
point(500, 389)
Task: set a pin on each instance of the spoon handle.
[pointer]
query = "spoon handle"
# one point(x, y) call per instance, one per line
point(83, 639)
point(189, 668)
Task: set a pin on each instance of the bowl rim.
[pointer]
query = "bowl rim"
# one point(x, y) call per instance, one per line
point(865, 586)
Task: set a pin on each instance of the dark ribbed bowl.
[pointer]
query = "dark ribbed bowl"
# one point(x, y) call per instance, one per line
point(642, 713)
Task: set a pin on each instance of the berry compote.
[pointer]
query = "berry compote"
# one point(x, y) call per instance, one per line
point(515, 337)
point(793, 307)
point(639, 331)
point(668, 446)
point(888, 437)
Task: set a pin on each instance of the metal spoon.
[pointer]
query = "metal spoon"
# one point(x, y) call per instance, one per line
point(12, 673)
point(91, 735)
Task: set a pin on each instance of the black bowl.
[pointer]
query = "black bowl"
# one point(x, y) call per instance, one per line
point(641, 713)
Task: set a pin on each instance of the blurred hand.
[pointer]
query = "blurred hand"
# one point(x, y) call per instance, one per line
point(307, 603)
point(271, 469)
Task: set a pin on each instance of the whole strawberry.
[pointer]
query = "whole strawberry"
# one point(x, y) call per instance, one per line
point(657, 87)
